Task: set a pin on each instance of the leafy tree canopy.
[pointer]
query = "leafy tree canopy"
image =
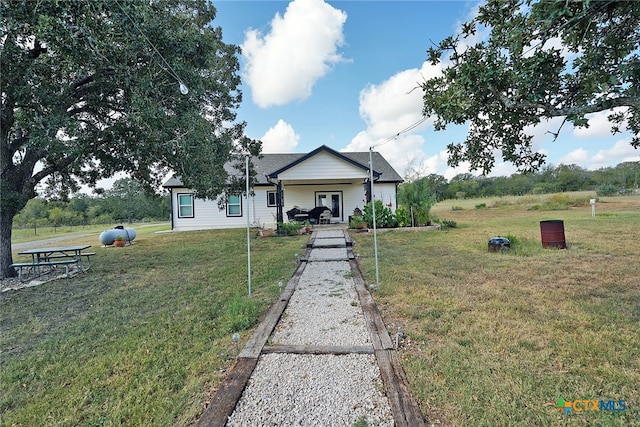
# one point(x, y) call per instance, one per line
point(543, 59)
point(90, 88)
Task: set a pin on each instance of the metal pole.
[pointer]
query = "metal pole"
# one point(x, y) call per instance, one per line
point(248, 228)
point(373, 211)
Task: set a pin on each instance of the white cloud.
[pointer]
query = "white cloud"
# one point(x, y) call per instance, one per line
point(283, 65)
point(450, 172)
point(543, 132)
point(281, 138)
point(403, 151)
point(503, 169)
point(389, 108)
point(621, 151)
point(437, 164)
point(579, 156)
point(599, 125)
point(394, 104)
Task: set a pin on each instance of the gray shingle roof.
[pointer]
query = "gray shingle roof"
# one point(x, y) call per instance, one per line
point(270, 163)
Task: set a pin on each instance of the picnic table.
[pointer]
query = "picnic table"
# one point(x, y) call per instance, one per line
point(54, 256)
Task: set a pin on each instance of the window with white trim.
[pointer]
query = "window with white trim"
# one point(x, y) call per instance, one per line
point(271, 199)
point(185, 205)
point(234, 205)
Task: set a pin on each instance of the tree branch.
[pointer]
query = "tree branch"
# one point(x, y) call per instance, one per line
point(55, 167)
point(551, 110)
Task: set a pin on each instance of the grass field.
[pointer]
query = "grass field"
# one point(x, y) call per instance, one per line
point(495, 339)
point(144, 337)
point(492, 339)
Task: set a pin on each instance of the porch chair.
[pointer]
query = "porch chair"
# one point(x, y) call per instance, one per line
point(325, 217)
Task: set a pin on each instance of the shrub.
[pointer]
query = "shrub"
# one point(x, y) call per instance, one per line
point(501, 202)
point(384, 215)
point(456, 208)
point(447, 223)
point(403, 216)
point(607, 190)
point(562, 201)
point(357, 221)
point(289, 228)
point(581, 201)
point(481, 206)
point(559, 199)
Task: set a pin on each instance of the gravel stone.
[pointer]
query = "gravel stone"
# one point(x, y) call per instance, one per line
point(288, 389)
point(318, 243)
point(323, 310)
point(313, 390)
point(328, 254)
point(327, 234)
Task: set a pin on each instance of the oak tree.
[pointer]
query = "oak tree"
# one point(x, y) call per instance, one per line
point(91, 88)
point(542, 59)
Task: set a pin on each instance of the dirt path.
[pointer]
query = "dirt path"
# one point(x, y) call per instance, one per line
point(44, 242)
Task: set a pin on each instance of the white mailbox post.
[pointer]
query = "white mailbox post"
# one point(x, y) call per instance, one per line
point(593, 207)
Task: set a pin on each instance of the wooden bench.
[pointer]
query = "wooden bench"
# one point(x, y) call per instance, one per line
point(21, 265)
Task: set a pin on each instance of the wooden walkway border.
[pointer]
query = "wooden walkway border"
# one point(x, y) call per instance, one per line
point(405, 410)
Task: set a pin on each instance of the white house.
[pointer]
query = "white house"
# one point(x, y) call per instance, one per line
point(323, 177)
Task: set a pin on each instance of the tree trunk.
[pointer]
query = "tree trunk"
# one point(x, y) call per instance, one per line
point(6, 257)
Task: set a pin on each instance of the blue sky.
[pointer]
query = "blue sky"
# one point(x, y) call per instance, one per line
point(345, 74)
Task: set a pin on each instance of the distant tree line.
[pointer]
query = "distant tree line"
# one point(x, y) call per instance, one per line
point(610, 181)
point(418, 193)
point(125, 202)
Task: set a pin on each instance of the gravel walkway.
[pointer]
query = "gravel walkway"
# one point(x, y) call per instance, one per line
point(288, 389)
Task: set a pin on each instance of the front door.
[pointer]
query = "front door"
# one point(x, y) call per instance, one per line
point(332, 200)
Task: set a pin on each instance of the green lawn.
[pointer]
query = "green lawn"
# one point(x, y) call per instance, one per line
point(495, 339)
point(144, 337)
point(492, 339)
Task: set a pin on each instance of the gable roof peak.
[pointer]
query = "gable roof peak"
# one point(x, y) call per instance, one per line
point(322, 148)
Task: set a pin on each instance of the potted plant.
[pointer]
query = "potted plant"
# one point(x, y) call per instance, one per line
point(307, 226)
point(119, 241)
point(358, 222)
point(264, 232)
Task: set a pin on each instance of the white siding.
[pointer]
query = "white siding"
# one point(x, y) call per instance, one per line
point(323, 166)
point(261, 214)
point(208, 216)
point(387, 193)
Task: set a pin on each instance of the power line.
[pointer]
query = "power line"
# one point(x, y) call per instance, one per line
point(405, 130)
point(567, 25)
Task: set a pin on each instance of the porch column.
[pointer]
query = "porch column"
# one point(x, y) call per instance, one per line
point(279, 204)
point(367, 190)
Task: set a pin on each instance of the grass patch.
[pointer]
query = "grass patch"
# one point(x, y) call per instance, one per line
point(22, 235)
point(497, 338)
point(144, 337)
